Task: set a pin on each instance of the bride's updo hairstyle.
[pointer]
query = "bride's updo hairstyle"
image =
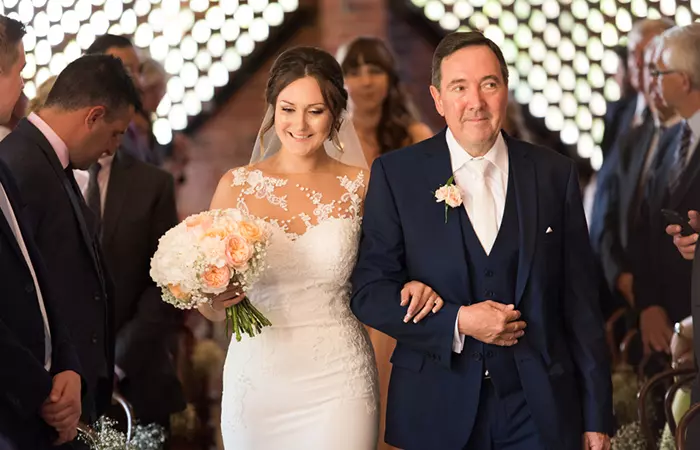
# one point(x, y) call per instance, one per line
point(300, 62)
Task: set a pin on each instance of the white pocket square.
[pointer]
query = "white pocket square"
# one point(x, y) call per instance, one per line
point(549, 230)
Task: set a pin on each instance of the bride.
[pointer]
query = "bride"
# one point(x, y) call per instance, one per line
point(310, 380)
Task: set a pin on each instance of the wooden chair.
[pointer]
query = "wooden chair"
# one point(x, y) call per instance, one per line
point(626, 345)
point(683, 426)
point(671, 395)
point(642, 399)
point(610, 329)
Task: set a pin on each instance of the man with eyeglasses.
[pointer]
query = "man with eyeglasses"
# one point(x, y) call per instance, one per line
point(641, 154)
point(662, 282)
point(618, 177)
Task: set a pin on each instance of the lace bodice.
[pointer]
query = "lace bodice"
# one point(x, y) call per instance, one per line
point(305, 292)
point(295, 207)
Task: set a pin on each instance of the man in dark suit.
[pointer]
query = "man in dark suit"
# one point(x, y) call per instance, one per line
point(40, 387)
point(641, 151)
point(85, 115)
point(663, 288)
point(136, 202)
point(635, 129)
point(511, 250)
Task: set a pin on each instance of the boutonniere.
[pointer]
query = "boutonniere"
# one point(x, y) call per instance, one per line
point(449, 193)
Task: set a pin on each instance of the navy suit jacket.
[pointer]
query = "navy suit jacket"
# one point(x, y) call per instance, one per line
point(562, 359)
point(24, 383)
point(83, 291)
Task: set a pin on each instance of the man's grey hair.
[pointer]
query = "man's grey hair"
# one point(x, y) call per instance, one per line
point(652, 49)
point(648, 27)
point(680, 47)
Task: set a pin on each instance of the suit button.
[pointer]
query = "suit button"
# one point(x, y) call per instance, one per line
point(94, 338)
point(488, 273)
point(489, 294)
point(29, 287)
point(489, 354)
point(98, 298)
point(478, 356)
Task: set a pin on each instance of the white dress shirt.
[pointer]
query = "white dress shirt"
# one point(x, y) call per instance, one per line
point(4, 132)
point(9, 214)
point(694, 123)
point(497, 179)
point(641, 105)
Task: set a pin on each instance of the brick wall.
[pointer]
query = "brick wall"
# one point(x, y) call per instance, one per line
point(226, 140)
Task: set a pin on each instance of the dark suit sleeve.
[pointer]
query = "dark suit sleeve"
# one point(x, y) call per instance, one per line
point(642, 251)
point(24, 382)
point(154, 319)
point(64, 356)
point(380, 274)
point(612, 254)
point(583, 321)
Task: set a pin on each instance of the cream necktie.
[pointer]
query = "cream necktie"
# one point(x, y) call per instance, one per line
point(483, 214)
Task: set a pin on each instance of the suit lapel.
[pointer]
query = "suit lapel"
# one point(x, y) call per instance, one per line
point(75, 200)
point(687, 178)
point(438, 169)
point(43, 145)
point(523, 172)
point(117, 188)
point(4, 221)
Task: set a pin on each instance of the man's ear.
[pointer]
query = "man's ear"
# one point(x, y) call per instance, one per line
point(437, 98)
point(95, 114)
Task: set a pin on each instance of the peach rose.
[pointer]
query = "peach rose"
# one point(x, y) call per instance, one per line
point(454, 197)
point(449, 194)
point(216, 277)
point(200, 220)
point(250, 231)
point(441, 194)
point(217, 233)
point(238, 251)
point(177, 292)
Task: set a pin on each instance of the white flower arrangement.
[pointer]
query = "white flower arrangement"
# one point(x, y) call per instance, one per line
point(207, 254)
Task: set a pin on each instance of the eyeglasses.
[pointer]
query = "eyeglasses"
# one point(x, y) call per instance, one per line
point(657, 73)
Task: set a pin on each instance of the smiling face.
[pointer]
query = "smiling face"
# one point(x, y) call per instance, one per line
point(472, 97)
point(302, 118)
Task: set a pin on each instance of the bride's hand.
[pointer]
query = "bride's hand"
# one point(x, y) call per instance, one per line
point(230, 297)
point(423, 300)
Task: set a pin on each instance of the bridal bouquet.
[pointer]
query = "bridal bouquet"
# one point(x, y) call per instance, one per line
point(205, 255)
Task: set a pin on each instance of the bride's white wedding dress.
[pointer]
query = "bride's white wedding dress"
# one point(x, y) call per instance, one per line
point(309, 381)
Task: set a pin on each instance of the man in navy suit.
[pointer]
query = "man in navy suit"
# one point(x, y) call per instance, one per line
point(40, 388)
point(516, 358)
